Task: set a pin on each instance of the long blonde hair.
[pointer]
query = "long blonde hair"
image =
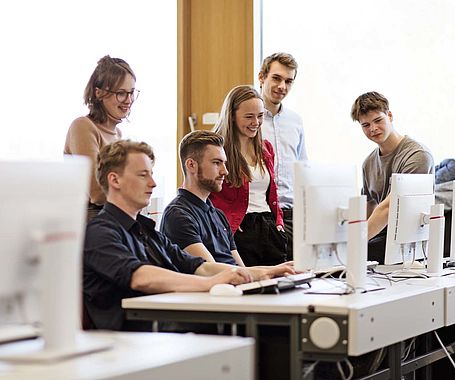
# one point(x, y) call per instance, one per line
point(226, 127)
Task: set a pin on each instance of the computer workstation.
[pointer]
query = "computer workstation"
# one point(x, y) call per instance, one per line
point(42, 219)
point(415, 232)
point(359, 321)
point(42, 226)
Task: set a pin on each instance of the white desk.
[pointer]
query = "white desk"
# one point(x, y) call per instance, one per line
point(448, 284)
point(365, 321)
point(140, 356)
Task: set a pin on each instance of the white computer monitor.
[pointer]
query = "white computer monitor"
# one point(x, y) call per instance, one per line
point(321, 195)
point(411, 197)
point(42, 227)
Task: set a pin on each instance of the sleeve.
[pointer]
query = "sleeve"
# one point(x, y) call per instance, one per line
point(420, 162)
point(184, 262)
point(445, 171)
point(83, 139)
point(180, 227)
point(107, 255)
point(272, 198)
point(365, 190)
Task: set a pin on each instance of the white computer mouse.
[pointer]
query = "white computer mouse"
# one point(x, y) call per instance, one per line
point(226, 290)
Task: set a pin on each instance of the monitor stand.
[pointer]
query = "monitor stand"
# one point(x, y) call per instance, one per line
point(60, 294)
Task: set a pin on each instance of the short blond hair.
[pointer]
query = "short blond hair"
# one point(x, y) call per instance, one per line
point(113, 158)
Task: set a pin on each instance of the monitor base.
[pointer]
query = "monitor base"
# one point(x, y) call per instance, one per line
point(34, 351)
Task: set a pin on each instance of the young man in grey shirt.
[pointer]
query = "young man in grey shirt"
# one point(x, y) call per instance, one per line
point(394, 153)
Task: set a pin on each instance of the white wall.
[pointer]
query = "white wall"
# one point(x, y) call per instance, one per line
point(401, 48)
point(49, 48)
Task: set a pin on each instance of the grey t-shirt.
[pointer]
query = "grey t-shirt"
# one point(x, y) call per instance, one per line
point(409, 157)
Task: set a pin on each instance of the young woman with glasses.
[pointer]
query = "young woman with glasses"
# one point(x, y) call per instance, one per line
point(109, 95)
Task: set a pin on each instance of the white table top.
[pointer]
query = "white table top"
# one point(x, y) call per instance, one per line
point(376, 319)
point(295, 301)
point(137, 356)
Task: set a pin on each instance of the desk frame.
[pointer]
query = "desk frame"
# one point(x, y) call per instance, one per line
point(361, 316)
point(294, 322)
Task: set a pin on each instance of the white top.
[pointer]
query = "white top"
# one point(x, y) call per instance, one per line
point(258, 190)
point(285, 132)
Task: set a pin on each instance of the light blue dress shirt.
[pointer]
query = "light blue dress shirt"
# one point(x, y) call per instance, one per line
point(285, 132)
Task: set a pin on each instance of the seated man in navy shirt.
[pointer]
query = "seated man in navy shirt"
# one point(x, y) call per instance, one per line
point(191, 221)
point(124, 256)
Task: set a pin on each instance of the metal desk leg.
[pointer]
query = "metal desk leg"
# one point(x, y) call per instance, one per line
point(295, 361)
point(394, 352)
point(251, 328)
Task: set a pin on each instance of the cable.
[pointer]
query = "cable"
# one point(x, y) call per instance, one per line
point(350, 367)
point(309, 369)
point(335, 250)
point(445, 349)
point(407, 350)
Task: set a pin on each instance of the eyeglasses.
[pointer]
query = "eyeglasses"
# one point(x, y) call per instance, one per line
point(122, 95)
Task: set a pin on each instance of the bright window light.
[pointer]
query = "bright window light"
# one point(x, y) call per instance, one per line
point(49, 50)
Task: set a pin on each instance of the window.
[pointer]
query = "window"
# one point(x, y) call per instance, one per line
point(49, 50)
point(403, 49)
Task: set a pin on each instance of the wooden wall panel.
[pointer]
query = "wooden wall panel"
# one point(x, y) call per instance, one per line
point(215, 53)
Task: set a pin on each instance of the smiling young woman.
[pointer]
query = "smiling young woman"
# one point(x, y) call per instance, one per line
point(249, 193)
point(109, 95)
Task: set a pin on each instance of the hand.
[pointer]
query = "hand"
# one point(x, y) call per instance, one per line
point(265, 272)
point(234, 276)
point(280, 228)
point(284, 269)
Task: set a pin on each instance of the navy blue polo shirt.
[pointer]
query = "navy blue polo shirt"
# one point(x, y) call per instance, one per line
point(115, 246)
point(188, 220)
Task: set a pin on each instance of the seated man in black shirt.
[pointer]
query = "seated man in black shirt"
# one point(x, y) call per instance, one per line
point(124, 256)
point(191, 221)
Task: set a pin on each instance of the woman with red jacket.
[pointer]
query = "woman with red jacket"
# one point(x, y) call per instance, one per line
point(249, 194)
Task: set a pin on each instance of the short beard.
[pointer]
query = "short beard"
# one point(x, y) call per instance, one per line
point(207, 184)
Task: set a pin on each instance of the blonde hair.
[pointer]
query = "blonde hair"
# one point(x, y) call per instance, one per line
point(113, 158)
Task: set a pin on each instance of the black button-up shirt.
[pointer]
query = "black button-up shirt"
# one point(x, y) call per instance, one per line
point(115, 246)
point(188, 220)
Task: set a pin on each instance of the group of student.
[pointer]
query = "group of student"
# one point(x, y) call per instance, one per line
point(231, 221)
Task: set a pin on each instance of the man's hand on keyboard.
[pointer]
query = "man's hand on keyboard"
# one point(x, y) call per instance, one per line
point(266, 272)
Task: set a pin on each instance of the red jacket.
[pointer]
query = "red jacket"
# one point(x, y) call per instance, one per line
point(233, 201)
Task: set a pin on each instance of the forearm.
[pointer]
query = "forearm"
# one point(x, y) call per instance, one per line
point(377, 221)
point(150, 279)
point(211, 269)
point(198, 249)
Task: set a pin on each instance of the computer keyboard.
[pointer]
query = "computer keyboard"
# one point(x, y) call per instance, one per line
point(276, 285)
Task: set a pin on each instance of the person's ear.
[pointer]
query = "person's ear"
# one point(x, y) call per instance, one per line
point(389, 114)
point(191, 165)
point(113, 180)
point(261, 78)
point(98, 93)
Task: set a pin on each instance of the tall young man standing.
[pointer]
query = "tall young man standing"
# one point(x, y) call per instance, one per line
point(283, 128)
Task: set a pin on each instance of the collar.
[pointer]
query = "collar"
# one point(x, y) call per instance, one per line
point(269, 114)
point(195, 200)
point(126, 221)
